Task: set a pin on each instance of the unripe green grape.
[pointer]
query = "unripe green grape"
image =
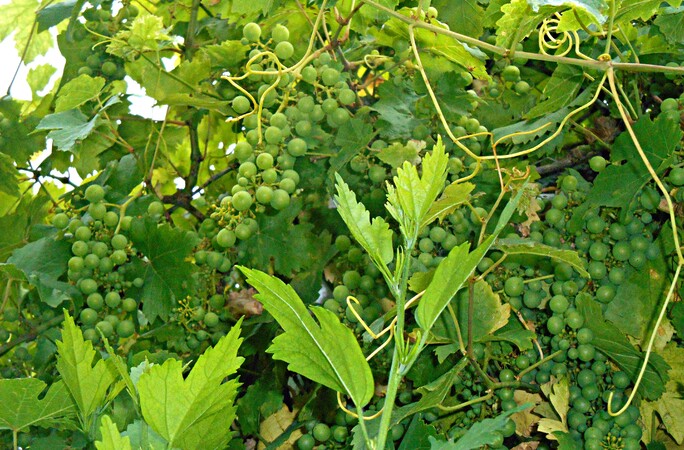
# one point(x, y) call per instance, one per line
point(243, 231)
point(346, 96)
point(247, 169)
point(243, 151)
point(155, 209)
point(211, 319)
point(94, 193)
point(91, 261)
point(669, 104)
point(280, 200)
point(284, 50)
point(522, 87)
point(288, 185)
point(597, 163)
point(342, 242)
point(321, 432)
point(242, 201)
point(88, 286)
point(273, 135)
point(377, 174)
point(76, 263)
point(340, 116)
point(105, 328)
point(241, 105)
point(118, 257)
point(252, 32)
point(510, 73)
point(129, 305)
point(125, 329)
point(88, 316)
point(226, 238)
point(513, 287)
point(97, 210)
point(280, 33)
point(269, 176)
point(330, 76)
point(119, 242)
point(264, 161)
point(60, 221)
point(297, 147)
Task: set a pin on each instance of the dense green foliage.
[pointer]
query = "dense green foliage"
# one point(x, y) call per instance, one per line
point(459, 219)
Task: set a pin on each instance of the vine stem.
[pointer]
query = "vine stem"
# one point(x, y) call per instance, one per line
point(680, 262)
point(594, 64)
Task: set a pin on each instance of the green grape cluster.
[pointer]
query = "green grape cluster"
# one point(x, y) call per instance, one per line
point(101, 250)
point(333, 434)
point(101, 24)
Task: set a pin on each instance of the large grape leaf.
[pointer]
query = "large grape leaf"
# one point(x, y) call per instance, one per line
point(455, 269)
point(462, 16)
point(167, 274)
point(560, 90)
point(326, 352)
point(638, 299)
point(279, 242)
point(87, 383)
point(43, 262)
point(454, 195)
point(352, 137)
point(395, 107)
point(68, 127)
point(375, 237)
point(195, 412)
point(412, 196)
point(111, 439)
point(671, 404)
point(78, 91)
point(611, 342)
point(22, 407)
point(671, 24)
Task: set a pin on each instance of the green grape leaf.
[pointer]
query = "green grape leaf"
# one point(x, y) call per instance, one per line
point(8, 176)
point(611, 342)
point(38, 78)
point(636, 9)
point(22, 407)
point(462, 16)
point(352, 137)
point(566, 441)
point(17, 20)
point(78, 91)
point(375, 237)
point(17, 225)
point(195, 412)
point(111, 439)
point(597, 8)
point(53, 14)
point(560, 91)
point(68, 127)
point(671, 24)
point(395, 108)
point(181, 86)
point(671, 404)
point(167, 274)
point(413, 195)
point(454, 270)
point(326, 352)
point(145, 35)
point(225, 54)
point(397, 153)
point(287, 246)
point(635, 307)
point(87, 383)
point(480, 433)
point(520, 246)
point(417, 435)
point(519, 20)
point(514, 333)
point(454, 195)
point(43, 262)
point(252, 7)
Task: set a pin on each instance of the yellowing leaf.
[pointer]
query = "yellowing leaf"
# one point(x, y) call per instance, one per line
point(274, 425)
point(196, 412)
point(326, 352)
